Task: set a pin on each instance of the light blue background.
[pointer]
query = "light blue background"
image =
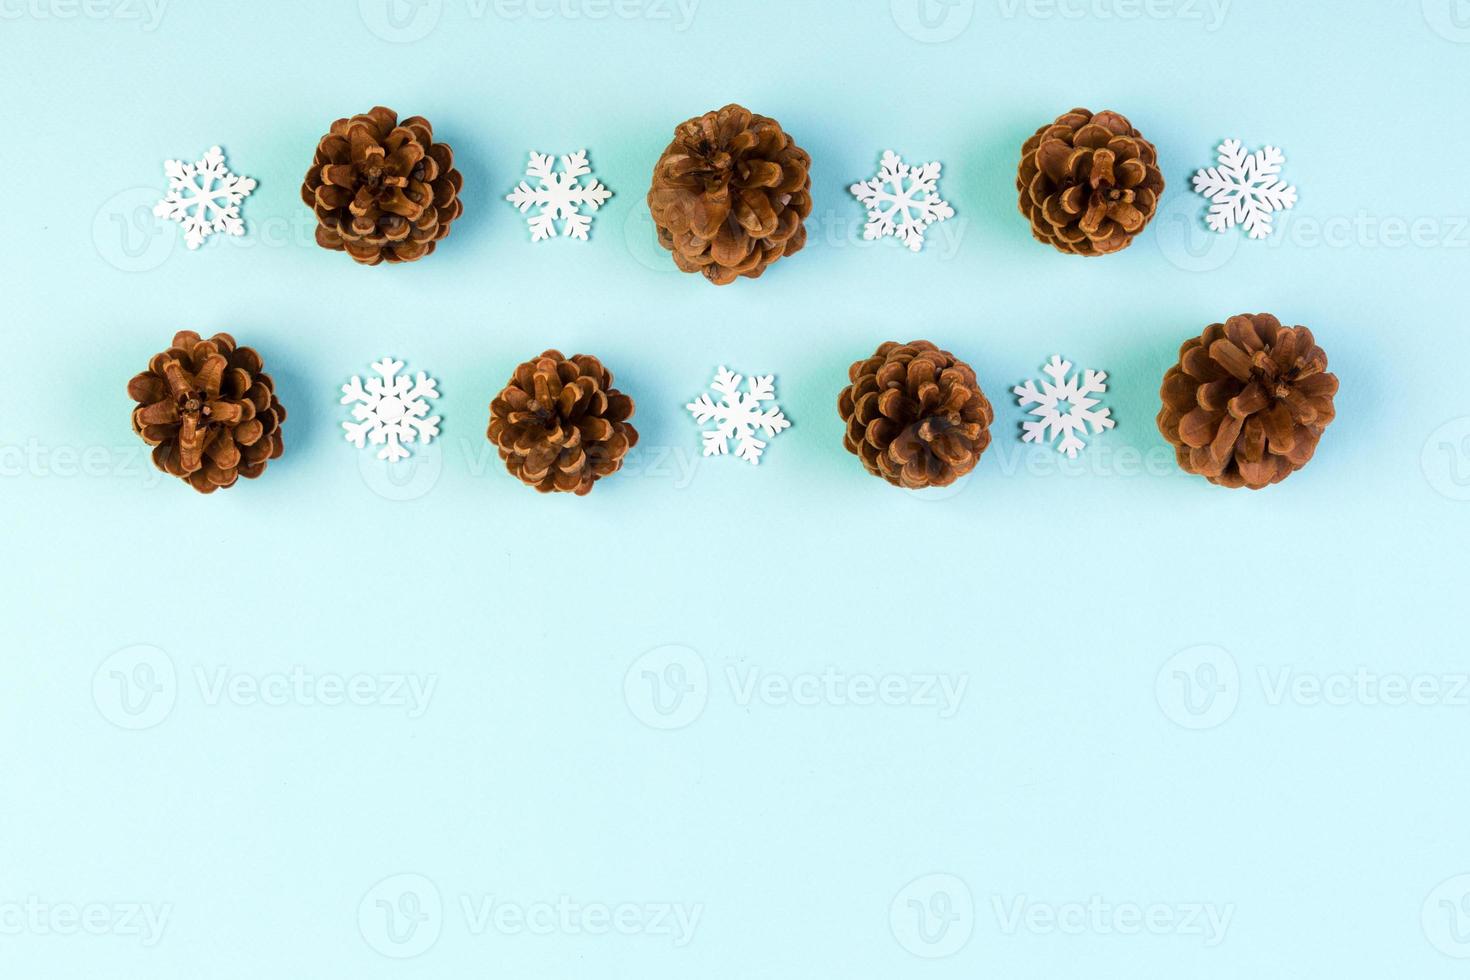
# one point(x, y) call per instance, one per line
point(1068, 600)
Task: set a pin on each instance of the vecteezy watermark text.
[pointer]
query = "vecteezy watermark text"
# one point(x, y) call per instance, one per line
point(301, 687)
point(1361, 686)
point(34, 460)
point(148, 14)
point(669, 687)
point(567, 916)
point(1209, 13)
point(137, 688)
point(33, 916)
point(403, 915)
point(1201, 687)
point(1097, 916)
point(407, 21)
point(837, 688)
point(1183, 238)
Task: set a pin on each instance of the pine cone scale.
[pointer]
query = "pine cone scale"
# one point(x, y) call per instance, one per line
point(1198, 427)
point(1234, 360)
point(158, 412)
point(229, 413)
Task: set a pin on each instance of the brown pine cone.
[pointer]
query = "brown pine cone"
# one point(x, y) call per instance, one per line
point(560, 425)
point(1247, 402)
point(209, 410)
point(1089, 183)
point(382, 189)
point(915, 415)
point(729, 195)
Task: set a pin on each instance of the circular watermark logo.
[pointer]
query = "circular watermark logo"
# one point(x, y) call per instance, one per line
point(933, 916)
point(932, 21)
point(401, 916)
point(1446, 459)
point(1185, 240)
point(1445, 917)
point(402, 479)
point(1199, 687)
point(667, 687)
point(127, 234)
point(1450, 19)
point(136, 687)
point(641, 238)
point(400, 21)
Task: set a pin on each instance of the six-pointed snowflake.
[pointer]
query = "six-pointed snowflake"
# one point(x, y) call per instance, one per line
point(902, 201)
point(1245, 189)
point(390, 410)
point(204, 197)
point(560, 196)
point(1064, 406)
point(738, 415)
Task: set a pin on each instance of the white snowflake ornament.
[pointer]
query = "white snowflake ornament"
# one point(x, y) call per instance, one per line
point(204, 197)
point(559, 196)
point(738, 415)
point(1064, 406)
point(902, 201)
point(390, 410)
point(1245, 189)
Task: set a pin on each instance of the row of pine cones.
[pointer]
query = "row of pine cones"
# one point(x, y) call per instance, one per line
point(211, 414)
point(730, 194)
point(1245, 406)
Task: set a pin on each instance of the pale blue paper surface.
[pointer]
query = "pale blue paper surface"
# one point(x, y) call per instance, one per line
point(993, 693)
